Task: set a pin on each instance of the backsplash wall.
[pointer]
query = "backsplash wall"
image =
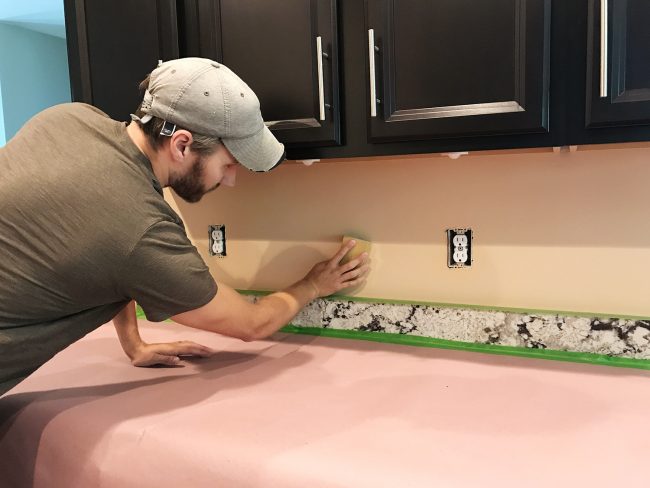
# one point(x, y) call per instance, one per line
point(553, 231)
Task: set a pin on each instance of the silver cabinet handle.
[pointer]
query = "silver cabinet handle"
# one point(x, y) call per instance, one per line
point(371, 63)
point(604, 46)
point(321, 90)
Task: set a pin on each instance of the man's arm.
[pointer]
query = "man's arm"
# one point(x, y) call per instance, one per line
point(126, 325)
point(228, 313)
point(142, 354)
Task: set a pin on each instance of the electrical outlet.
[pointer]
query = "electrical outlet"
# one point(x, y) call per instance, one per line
point(459, 248)
point(217, 240)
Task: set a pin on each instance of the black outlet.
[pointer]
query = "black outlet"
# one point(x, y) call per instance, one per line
point(217, 240)
point(459, 248)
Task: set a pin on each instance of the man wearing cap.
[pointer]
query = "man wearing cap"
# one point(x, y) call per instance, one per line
point(85, 231)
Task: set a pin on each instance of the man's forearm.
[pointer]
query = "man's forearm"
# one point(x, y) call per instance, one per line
point(277, 309)
point(228, 313)
point(126, 325)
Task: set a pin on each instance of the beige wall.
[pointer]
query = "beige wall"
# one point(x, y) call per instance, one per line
point(558, 231)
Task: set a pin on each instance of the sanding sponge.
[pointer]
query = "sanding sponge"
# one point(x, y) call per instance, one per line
point(360, 247)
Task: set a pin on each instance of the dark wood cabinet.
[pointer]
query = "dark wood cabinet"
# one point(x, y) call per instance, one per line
point(112, 46)
point(287, 52)
point(610, 78)
point(438, 65)
point(607, 75)
point(618, 88)
point(453, 68)
point(347, 78)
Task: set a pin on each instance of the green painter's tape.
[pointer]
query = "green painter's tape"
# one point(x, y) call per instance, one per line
point(419, 341)
point(139, 313)
point(409, 340)
point(484, 308)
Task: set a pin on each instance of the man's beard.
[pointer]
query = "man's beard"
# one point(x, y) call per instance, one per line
point(190, 186)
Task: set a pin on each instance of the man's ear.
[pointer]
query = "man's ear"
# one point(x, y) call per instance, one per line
point(179, 145)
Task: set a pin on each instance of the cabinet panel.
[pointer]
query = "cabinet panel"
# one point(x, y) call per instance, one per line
point(255, 47)
point(287, 52)
point(451, 68)
point(450, 56)
point(111, 49)
point(618, 71)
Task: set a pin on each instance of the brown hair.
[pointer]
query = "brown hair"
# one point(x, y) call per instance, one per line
point(201, 144)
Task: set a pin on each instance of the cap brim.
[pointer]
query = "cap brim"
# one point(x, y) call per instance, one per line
point(259, 152)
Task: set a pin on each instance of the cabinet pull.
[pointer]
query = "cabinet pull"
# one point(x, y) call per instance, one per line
point(321, 90)
point(371, 64)
point(604, 46)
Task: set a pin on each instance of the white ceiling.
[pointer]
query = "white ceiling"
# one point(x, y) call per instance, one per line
point(44, 16)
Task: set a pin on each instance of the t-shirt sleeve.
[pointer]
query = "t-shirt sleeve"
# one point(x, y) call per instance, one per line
point(165, 274)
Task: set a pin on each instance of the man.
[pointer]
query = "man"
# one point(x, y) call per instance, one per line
point(85, 232)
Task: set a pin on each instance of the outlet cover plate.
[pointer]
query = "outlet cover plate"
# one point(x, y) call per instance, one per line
point(217, 240)
point(459, 248)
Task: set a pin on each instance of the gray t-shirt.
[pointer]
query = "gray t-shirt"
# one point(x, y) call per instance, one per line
point(84, 229)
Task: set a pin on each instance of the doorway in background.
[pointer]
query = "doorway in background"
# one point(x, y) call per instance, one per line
point(33, 61)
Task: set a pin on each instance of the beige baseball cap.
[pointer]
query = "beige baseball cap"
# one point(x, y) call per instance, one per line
point(205, 97)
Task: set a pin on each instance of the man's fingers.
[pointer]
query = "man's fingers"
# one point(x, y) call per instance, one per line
point(182, 348)
point(188, 348)
point(359, 272)
point(362, 259)
point(155, 359)
point(354, 283)
point(343, 251)
point(166, 360)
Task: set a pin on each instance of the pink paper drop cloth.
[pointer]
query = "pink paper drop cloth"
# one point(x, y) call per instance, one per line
point(309, 412)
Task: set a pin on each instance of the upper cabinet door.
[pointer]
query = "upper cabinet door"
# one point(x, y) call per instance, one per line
point(453, 68)
point(618, 63)
point(113, 46)
point(287, 52)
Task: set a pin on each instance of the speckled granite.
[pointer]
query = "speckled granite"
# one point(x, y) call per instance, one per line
point(610, 336)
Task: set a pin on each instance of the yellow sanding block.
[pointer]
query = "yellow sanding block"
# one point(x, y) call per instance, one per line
point(360, 247)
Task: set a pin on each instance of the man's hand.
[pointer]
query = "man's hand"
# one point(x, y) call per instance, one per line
point(142, 354)
point(330, 276)
point(230, 314)
point(167, 354)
